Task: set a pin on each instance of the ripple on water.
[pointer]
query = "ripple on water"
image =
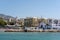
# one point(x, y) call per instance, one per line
point(29, 35)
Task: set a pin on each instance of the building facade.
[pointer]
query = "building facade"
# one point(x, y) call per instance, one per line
point(31, 22)
point(55, 23)
point(21, 22)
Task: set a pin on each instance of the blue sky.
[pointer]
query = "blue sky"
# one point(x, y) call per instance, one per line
point(31, 8)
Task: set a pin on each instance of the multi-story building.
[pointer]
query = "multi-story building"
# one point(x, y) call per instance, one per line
point(31, 22)
point(43, 22)
point(21, 21)
point(54, 23)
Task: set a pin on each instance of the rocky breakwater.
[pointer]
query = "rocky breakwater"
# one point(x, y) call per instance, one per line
point(14, 30)
point(35, 30)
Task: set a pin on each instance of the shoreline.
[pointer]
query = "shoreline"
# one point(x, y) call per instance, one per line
point(21, 30)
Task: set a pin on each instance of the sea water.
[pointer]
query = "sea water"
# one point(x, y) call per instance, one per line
point(29, 35)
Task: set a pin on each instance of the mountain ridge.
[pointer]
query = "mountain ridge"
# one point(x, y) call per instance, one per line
point(6, 16)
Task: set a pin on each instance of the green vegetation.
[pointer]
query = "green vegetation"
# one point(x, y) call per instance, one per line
point(2, 23)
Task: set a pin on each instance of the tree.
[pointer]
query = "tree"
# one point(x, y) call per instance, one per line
point(2, 22)
point(56, 22)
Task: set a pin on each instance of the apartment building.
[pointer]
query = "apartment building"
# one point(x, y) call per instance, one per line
point(31, 22)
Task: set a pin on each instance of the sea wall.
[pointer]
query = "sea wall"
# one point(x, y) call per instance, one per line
point(40, 30)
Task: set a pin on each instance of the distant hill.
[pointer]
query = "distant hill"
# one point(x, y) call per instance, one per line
point(5, 16)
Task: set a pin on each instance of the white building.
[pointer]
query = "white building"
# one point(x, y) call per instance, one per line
point(42, 25)
point(55, 23)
